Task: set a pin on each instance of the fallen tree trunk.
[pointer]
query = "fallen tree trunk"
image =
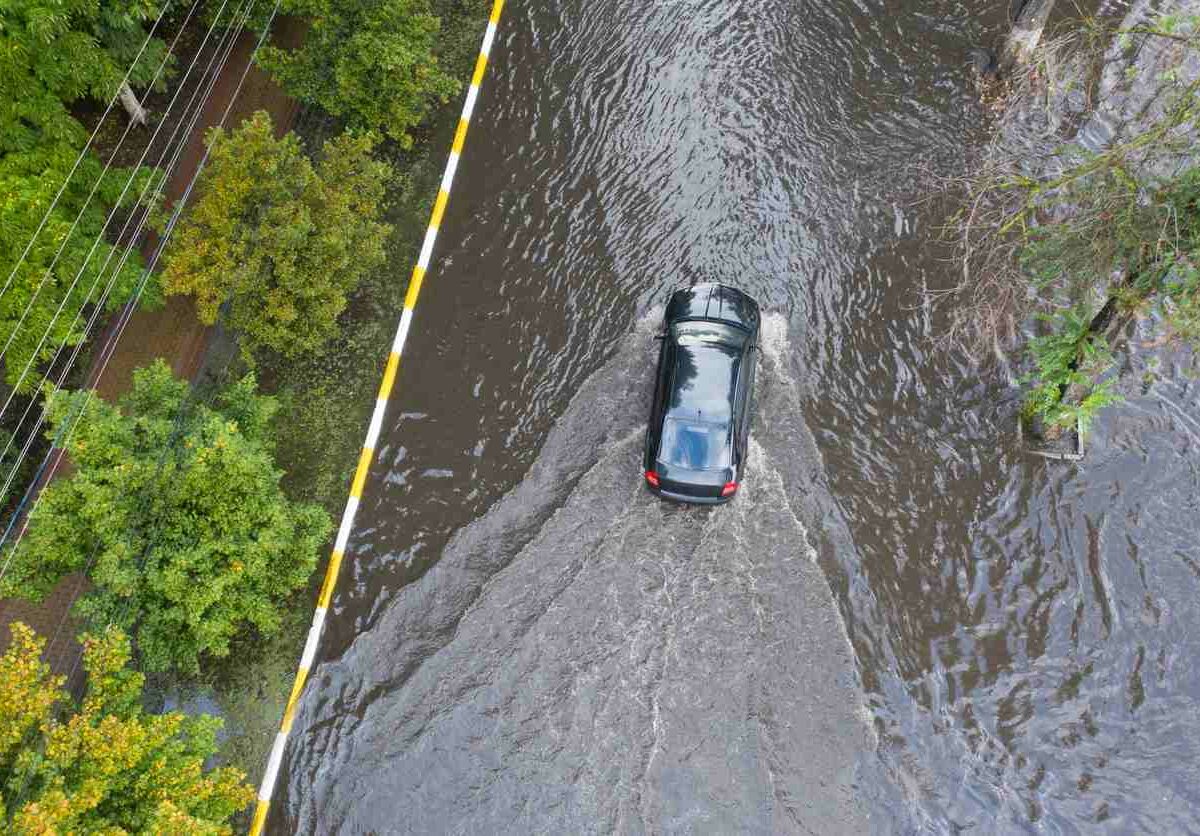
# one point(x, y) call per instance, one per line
point(1026, 34)
point(129, 100)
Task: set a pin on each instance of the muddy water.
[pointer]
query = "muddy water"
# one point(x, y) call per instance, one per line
point(903, 624)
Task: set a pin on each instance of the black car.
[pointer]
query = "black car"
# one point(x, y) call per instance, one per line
point(700, 418)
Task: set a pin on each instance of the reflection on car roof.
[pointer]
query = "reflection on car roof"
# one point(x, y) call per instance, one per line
point(702, 385)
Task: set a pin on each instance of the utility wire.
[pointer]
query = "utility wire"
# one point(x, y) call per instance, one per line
point(190, 402)
point(143, 220)
point(83, 209)
point(100, 236)
point(162, 13)
point(184, 407)
point(106, 354)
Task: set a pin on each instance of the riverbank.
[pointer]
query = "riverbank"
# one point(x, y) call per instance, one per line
point(1080, 232)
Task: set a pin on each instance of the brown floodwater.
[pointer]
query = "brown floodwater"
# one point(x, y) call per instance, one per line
point(903, 624)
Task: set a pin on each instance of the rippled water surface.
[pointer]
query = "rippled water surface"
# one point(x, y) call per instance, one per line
point(902, 624)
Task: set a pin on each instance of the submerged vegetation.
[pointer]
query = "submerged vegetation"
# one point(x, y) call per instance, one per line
point(1079, 242)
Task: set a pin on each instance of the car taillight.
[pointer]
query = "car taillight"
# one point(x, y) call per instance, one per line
point(730, 489)
point(652, 478)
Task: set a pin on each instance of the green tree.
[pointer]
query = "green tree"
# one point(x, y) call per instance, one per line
point(38, 311)
point(53, 53)
point(279, 239)
point(105, 765)
point(370, 62)
point(176, 512)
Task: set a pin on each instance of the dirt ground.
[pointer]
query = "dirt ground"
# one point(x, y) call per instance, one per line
point(173, 332)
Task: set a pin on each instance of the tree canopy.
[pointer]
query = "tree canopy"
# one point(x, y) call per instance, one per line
point(38, 311)
point(370, 62)
point(281, 240)
point(53, 53)
point(104, 766)
point(176, 513)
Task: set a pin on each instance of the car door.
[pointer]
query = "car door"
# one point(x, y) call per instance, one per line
point(745, 401)
point(658, 404)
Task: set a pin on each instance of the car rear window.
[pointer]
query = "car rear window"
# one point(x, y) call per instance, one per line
point(695, 445)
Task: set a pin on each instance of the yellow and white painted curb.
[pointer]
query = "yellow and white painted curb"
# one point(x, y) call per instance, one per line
point(267, 788)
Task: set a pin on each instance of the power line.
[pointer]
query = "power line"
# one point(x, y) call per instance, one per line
point(86, 147)
point(83, 209)
point(142, 223)
point(189, 402)
point(176, 213)
point(127, 312)
point(99, 237)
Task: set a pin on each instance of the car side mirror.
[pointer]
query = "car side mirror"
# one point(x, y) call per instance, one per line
point(660, 337)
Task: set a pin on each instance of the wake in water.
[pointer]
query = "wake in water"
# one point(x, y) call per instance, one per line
point(587, 658)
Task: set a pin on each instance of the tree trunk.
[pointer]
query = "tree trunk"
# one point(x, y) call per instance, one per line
point(129, 100)
point(1026, 34)
point(1107, 325)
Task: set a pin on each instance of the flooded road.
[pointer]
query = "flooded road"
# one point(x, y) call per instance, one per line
point(902, 624)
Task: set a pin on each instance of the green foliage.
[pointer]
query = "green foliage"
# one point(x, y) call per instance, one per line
point(1070, 355)
point(177, 509)
point(281, 240)
point(104, 766)
point(370, 62)
point(1105, 231)
point(54, 52)
point(1104, 228)
point(51, 54)
point(29, 181)
point(1145, 232)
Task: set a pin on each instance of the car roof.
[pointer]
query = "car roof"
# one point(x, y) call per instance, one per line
point(704, 376)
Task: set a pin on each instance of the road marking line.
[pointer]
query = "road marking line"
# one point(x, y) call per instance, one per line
point(414, 284)
point(358, 485)
point(401, 335)
point(427, 246)
point(448, 174)
point(439, 209)
point(376, 422)
point(488, 37)
point(469, 105)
